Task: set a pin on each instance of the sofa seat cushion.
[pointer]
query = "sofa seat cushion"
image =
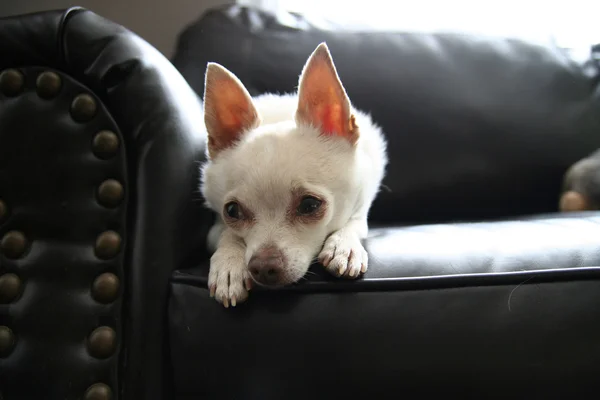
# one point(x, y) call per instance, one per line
point(454, 308)
point(536, 243)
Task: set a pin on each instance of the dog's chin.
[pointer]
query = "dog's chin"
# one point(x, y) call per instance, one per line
point(270, 286)
point(289, 279)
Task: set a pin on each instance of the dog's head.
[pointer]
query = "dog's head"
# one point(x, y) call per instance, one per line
point(281, 184)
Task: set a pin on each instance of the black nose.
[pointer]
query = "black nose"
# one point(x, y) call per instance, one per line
point(266, 271)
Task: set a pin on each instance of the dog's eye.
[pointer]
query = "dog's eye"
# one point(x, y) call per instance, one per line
point(232, 209)
point(309, 205)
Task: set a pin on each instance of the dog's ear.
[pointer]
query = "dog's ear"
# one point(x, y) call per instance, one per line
point(228, 109)
point(322, 100)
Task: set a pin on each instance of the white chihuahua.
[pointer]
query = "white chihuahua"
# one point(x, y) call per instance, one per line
point(291, 177)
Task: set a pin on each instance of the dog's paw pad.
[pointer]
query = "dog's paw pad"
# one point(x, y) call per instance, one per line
point(228, 282)
point(344, 256)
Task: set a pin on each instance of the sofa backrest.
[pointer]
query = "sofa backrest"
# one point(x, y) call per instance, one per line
point(478, 127)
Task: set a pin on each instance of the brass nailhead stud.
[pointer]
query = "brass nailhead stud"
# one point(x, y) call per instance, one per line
point(11, 82)
point(7, 341)
point(3, 210)
point(102, 342)
point(108, 245)
point(98, 391)
point(48, 84)
point(105, 144)
point(105, 288)
point(13, 244)
point(10, 287)
point(110, 193)
point(83, 108)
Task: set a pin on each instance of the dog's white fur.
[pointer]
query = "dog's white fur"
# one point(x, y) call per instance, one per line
point(276, 153)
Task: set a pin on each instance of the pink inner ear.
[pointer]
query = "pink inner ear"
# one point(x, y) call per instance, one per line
point(322, 104)
point(331, 117)
point(322, 100)
point(229, 111)
point(232, 119)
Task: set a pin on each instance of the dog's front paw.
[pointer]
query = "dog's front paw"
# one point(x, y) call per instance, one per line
point(344, 256)
point(228, 279)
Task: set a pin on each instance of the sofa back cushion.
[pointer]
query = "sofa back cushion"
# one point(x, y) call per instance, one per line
point(478, 127)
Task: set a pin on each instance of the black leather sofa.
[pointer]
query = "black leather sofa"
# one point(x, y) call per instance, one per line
point(477, 287)
point(99, 144)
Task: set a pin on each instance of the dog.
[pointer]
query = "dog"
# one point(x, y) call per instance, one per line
point(292, 177)
point(581, 185)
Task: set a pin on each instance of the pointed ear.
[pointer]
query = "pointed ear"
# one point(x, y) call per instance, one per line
point(228, 109)
point(322, 100)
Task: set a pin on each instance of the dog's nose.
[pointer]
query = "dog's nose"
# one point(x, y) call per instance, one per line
point(266, 266)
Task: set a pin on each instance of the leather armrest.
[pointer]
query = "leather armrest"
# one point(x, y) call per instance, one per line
point(162, 139)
